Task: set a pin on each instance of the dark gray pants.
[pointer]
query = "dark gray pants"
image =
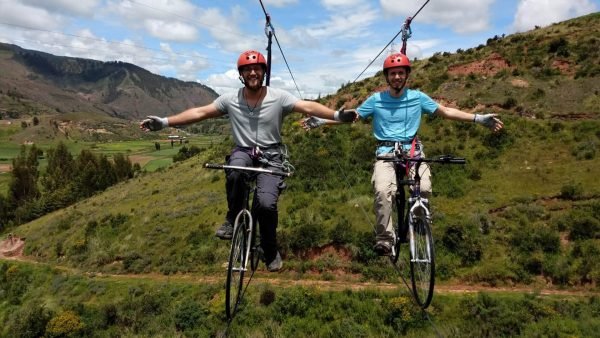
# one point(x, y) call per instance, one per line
point(268, 189)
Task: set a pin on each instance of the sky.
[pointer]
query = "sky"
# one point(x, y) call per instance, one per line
point(319, 45)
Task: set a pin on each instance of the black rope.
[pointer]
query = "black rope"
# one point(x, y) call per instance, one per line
point(399, 269)
point(405, 36)
point(271, 31)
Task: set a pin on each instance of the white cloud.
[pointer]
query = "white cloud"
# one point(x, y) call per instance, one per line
point(335, 4)
point(30, 17)
point(79, 7)
point(225, 82)
point(466, 16)
point(279, 3)
point(348, 25)
point(171, 31)
point(531, 13)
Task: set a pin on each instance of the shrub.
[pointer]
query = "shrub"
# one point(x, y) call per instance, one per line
point(571, 191)
point(587, 253)
point(188, 314)
point(65, 324)
point(465, 242)
point(583, 226)
point(342, 232)
point(495, 318)
point(585, 150)
point(403, 315)
point(267, 297)
point(29, 321)
point(509, 103)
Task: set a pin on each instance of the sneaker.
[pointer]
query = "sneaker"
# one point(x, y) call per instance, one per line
point(225, 231)
point(383, 248)
point(275, 264)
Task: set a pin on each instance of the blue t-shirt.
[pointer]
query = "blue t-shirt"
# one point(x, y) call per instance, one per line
point(396, 119)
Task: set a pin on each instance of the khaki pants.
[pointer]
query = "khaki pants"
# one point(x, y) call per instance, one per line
point(384, 187)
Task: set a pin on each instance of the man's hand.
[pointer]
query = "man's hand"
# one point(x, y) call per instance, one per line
point(490, 121)
point(343, 115)
point(312, 123)
point(154, 123)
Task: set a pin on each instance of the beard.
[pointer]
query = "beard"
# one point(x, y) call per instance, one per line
point(397, 85)
point(253, 83)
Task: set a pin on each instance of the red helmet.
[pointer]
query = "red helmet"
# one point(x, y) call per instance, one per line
point(396, 60)
point(251, 57)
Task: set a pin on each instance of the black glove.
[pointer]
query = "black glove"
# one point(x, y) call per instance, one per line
point(345, 115)
point(154, 123)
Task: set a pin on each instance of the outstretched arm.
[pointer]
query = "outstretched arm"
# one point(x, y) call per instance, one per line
point(489, 120)
point(320, 115)
point(316, 109)
point(188, 116)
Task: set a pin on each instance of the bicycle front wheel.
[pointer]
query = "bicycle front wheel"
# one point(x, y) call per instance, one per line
point(237, 263)
point(422, 260)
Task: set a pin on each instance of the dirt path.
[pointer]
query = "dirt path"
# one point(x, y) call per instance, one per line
point(287, 279)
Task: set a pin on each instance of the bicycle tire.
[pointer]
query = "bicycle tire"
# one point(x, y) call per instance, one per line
point(422, 260)
point(395, 215)
point(237, 261)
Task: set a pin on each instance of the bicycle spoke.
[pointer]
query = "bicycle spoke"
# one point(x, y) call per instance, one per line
point(422, 261)
point(237, 264)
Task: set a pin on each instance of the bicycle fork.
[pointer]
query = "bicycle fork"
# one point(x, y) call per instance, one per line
point(418, 210)
point(247, 240)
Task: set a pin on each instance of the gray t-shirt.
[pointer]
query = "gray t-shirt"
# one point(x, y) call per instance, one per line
point(260, 125)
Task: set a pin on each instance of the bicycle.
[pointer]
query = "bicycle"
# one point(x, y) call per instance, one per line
point(412, 217)
point(244, 245)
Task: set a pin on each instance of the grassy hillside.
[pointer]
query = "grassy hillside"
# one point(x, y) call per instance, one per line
point(38, 300)
point(550, 72)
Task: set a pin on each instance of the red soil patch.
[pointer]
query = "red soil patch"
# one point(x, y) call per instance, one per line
point(12, 247)
point(488, 67)
point(4, 168)
point(329, 250)
point(141, 159)
point(564, 66)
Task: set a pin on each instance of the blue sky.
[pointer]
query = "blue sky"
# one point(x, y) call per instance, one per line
point(326, 42)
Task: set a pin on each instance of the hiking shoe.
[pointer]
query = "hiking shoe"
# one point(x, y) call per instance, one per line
point(275, 264)
point(383, 248)
point(225, 231)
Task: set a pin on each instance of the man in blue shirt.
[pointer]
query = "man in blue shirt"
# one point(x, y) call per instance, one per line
point(396, 117)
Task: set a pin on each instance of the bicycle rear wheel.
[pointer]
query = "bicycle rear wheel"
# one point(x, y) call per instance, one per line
point(237, 263)
point(422, 260)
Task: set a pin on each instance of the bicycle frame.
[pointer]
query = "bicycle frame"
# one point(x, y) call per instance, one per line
point(242, 246)
point(414, 220)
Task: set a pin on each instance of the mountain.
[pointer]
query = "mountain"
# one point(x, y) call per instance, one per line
point(37, 83)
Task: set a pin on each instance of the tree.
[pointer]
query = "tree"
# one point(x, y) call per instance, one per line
point(86, 166)
point(123, 167)
point(106, 175)
point(61, 166)
point(58, 180)
point(23, 184)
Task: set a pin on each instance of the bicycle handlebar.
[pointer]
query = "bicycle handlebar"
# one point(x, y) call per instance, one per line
point(449, 159)
point(240, 168)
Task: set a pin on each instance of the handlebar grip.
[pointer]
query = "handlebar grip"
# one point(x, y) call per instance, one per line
point(458, 160)
point(452, 159)
point(213, 166)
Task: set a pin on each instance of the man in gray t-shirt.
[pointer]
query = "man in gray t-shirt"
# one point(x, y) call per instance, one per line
point(256, 113)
